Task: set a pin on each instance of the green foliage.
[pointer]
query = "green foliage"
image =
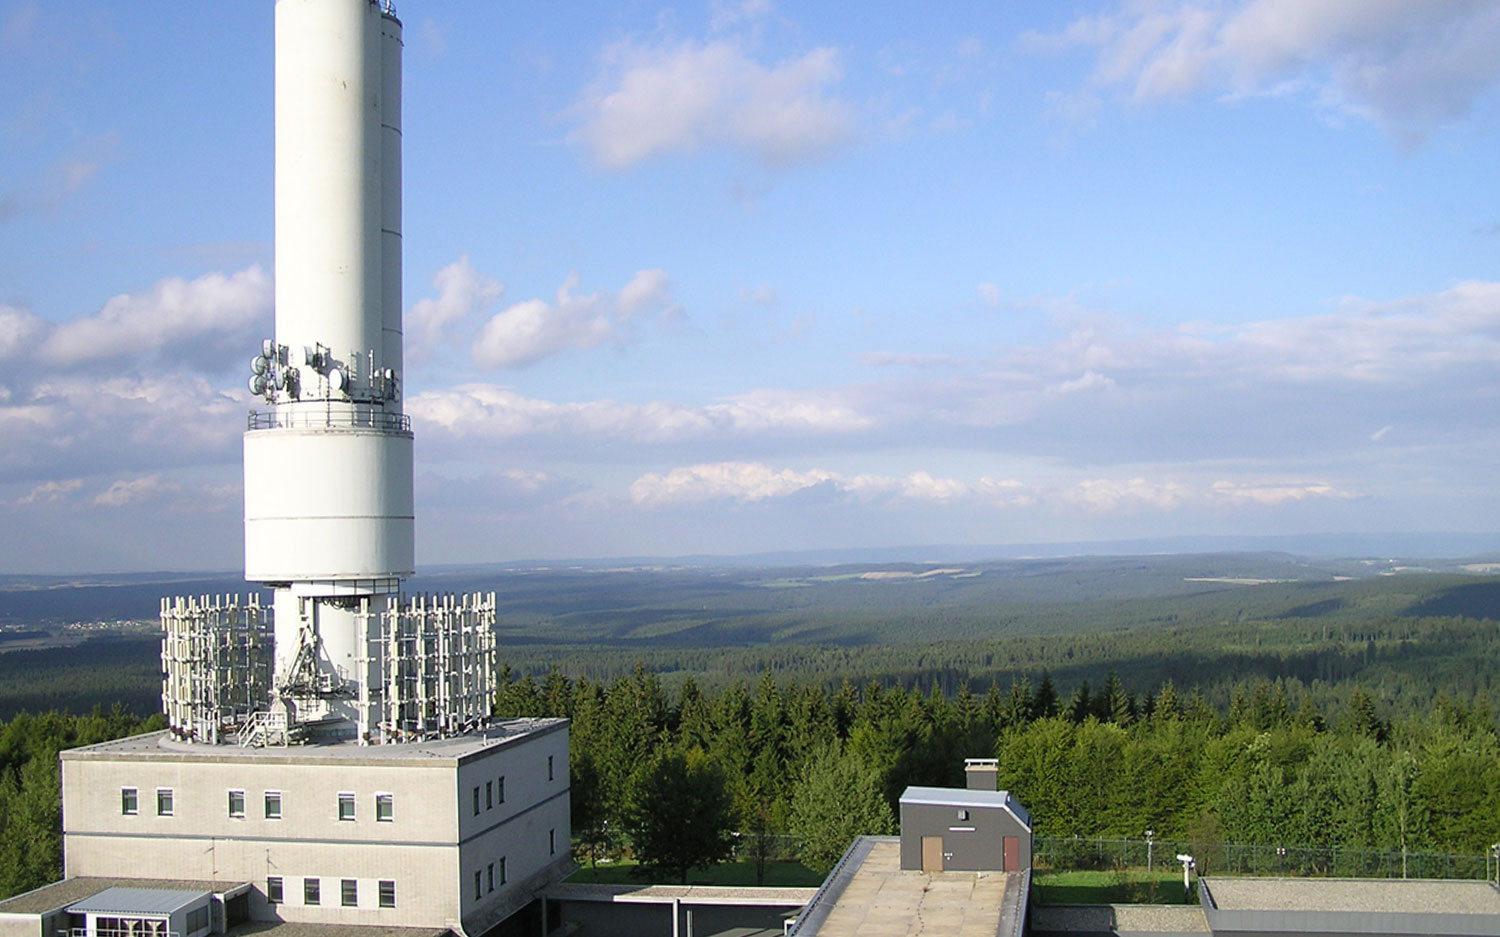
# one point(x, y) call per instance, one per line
point(836, 798)
point(679, 813)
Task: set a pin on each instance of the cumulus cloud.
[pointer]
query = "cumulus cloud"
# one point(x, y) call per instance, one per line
point(207, 313)
point(683, 97)
point(752, 482)
point(19, 328)
point(462, 291)
point(529, 331)
point(1410, 65)
point(487, 411)
point(135, 490)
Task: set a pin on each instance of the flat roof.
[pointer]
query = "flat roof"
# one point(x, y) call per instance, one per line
point(869, 895)
point(157, 746)
point(964, 797)
point(744, 896)
point(119, 899)
point(71, 890)
point(1430, 896)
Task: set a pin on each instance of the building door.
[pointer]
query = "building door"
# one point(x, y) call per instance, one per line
point(932, 854)
point(1012, 853)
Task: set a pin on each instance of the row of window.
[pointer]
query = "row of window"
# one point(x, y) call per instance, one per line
point(385, 804)
point(312, 891)
point(491, 790)
point(488, 878)
point(494, 791)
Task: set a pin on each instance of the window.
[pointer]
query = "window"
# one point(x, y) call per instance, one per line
point(273, 890)
point(549, 768)
point(385, 808)
point(502, 870)
point(128, 803)
point(310, 891)
point(963, 814)
point(346, 805)
point(349, 893)
point(489, 794)
point(236, 803)
point(500, 790)
point(477, 892)
point(273, 805)
point(476, 800)
point(552, 842)
point(387, 893)
point(163, 801)
point(490, 876)
point(197, 919)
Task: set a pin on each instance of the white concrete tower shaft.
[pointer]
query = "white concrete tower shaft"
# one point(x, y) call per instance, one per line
point(328, 468)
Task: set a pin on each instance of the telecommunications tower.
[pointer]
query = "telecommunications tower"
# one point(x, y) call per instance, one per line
point(339, 652)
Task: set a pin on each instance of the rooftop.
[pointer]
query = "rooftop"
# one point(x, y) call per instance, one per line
point(155, 745)
point(869, 895)
point(119, 899)
point(1390, 896)
point(70, 891)
point(962, 797)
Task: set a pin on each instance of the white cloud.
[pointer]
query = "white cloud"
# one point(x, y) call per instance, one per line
point(135, 490)
point(532, 330)
point(683, 97)
point(174, 312)
point(1411, 65)
point(18, 329)
point(462, 291)
point(736, 481)
point(1381, 433)
point(990, 294)
point(52, 491)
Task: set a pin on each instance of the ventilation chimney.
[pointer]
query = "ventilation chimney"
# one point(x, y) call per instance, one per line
point(983, 774)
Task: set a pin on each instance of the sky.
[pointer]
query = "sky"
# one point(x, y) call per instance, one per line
point(731, 277)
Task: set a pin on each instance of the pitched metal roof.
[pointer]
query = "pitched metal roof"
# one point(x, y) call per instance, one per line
point(159, 901)
point(961, 797)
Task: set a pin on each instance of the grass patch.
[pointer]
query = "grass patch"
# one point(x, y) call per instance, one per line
point(1087, 887)
point(729, 874)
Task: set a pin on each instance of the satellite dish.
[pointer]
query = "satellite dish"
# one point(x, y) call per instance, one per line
point(280, 379)
point(258, 364)
point(268, 348)
point(336, 379)
point(257, 384)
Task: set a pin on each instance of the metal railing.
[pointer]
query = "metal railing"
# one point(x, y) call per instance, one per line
point(316, 418)
point(1217, 858)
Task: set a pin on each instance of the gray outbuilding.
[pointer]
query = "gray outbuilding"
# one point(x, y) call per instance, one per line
point(950, 829)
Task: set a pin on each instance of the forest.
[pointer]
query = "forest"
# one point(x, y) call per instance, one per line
point(1256, 699)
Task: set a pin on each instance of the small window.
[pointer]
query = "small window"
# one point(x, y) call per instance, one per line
point(349, 893)
point(273, 805)
point(549, 768)
point(478, 892)
point(502, 870)
point(552, 842)
point(346, 805)
point(385, 808)
point(236, 803)
point(963, 814)
point(310, 891)
point(489, 794)
point(273, 889)
point(489, 876)
point(500, 790)
point(163, 801)
point(387, 893)
point(476, 800)
point(129, 804)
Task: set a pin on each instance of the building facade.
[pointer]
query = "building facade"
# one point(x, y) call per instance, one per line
point(456, 832)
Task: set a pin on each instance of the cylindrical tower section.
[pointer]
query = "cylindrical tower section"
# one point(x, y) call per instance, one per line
point(390, 202)
point(330, 255)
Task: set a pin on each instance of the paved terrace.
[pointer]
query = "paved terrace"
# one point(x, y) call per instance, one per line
point(870, 896)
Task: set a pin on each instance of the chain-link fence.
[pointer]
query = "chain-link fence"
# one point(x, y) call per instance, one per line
point(1075, 852)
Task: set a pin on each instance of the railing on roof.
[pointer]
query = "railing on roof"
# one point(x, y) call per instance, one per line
point(326, 418)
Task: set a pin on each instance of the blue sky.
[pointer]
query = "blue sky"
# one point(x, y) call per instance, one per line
point(734, 277)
